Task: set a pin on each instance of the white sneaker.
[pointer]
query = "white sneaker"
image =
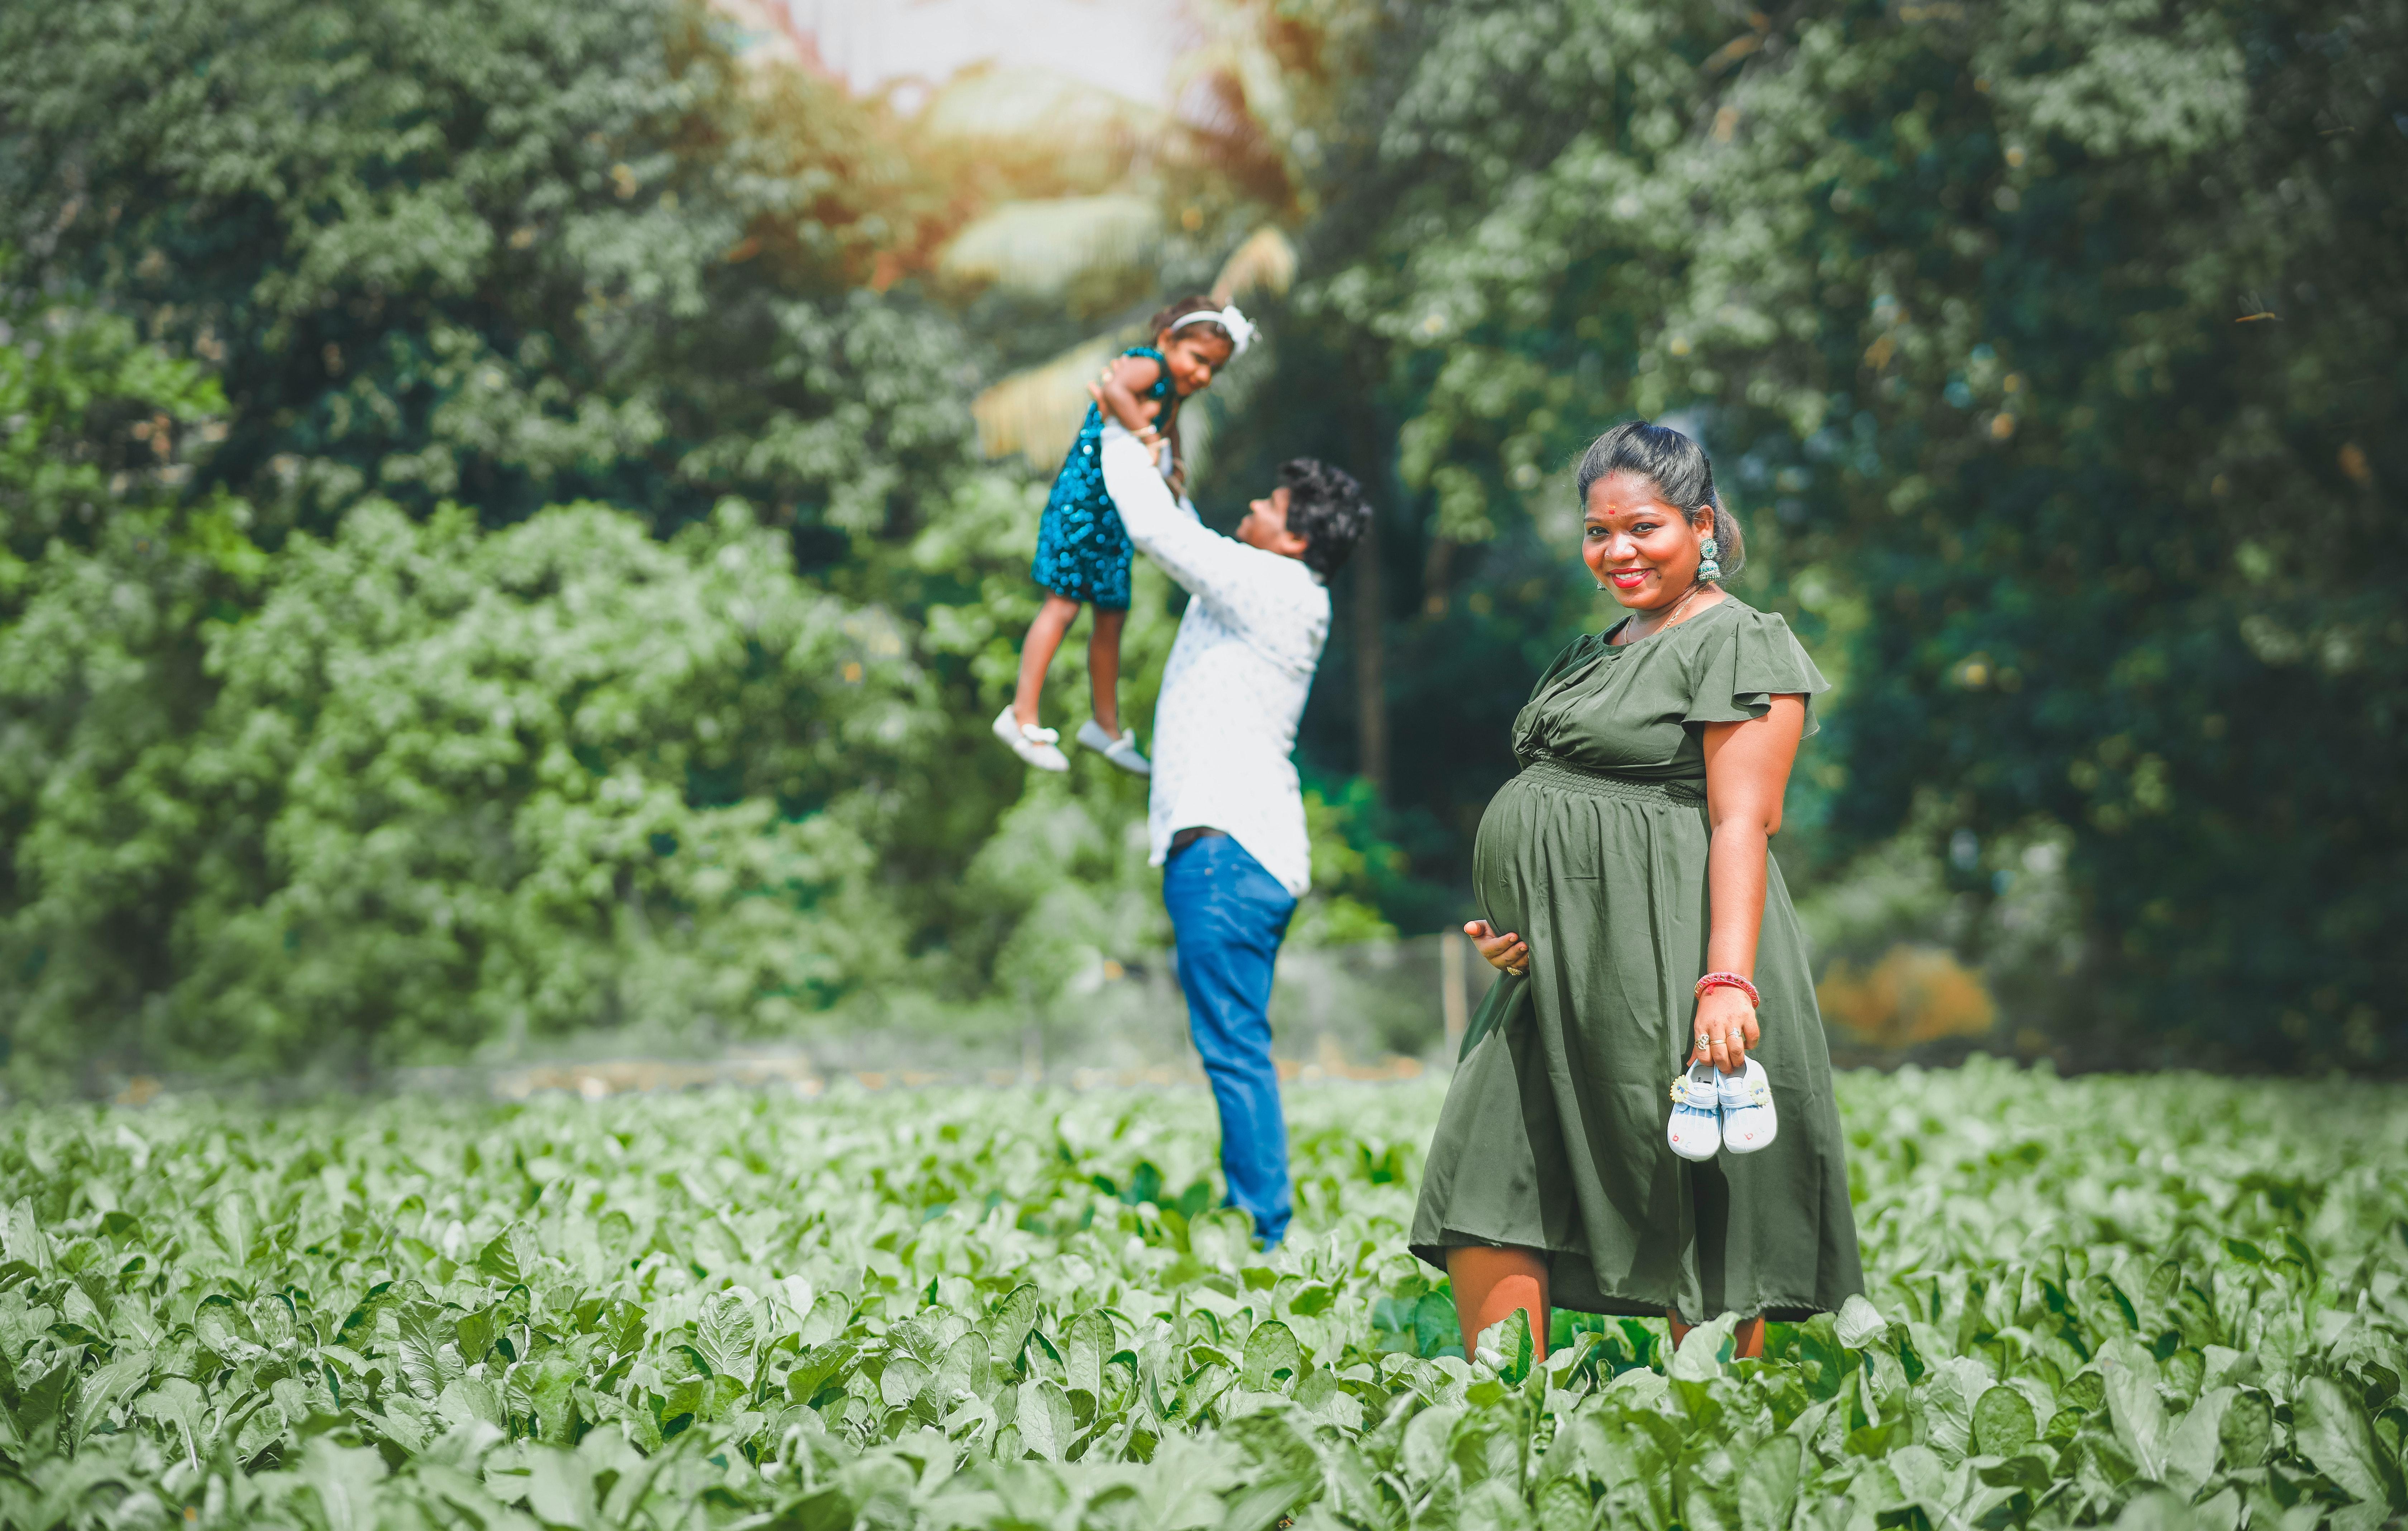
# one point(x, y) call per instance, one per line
point(1030, 743)
point(1748, 1122)
point(1696, 1131)
point(1120, 751)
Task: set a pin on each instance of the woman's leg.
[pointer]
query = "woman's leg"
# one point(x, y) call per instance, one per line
point(1490, 1283)
point(1747, 1340)
point(1053, 619)
point(1104, 668)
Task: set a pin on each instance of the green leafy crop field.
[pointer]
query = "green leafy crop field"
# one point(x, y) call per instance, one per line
point(2162, 1302)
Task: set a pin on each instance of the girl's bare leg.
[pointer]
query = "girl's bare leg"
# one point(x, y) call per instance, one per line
point(1037, 650)
point(1747, 1340)
point(1104, 668)
point(1490, 1283)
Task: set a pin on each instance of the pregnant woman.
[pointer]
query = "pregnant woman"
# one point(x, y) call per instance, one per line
point(1625, 864)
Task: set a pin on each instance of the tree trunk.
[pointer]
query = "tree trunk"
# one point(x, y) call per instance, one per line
point(1370, 681)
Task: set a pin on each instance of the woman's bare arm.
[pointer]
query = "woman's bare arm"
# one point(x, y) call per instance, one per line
point(1747, 774)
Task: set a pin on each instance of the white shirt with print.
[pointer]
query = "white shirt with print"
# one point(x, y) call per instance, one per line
point(1234, 689)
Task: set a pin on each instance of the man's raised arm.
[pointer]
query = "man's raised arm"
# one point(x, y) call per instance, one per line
point(1212, 567)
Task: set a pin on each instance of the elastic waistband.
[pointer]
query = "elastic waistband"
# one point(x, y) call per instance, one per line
point(1556, 774)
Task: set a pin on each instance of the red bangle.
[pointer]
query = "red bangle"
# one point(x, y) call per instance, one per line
point(1729, 981)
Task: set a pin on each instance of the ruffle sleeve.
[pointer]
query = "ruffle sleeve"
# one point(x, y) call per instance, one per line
point(1750, 661)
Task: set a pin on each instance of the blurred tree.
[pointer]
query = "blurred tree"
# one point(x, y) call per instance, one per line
point(415, 783)
point(510, 255)
point(2053, 354)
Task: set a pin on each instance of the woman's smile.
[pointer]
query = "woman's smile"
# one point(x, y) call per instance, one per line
point(1627, 579)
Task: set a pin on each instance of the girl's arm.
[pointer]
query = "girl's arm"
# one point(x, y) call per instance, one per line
point(1747, 772)
point(1118, 390)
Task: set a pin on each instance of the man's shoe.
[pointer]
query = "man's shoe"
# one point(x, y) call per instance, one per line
point(1031, 743)
point(1120, 751)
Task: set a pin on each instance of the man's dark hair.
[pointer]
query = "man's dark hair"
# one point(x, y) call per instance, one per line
point(1325, 507)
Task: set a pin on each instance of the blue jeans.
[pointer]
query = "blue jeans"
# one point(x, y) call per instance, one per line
point(1229, 917)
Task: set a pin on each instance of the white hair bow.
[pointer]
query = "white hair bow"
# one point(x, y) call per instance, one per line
point(1241, 328)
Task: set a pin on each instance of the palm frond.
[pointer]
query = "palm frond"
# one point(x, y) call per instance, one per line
point(1266, 260)
point(1043, 248)
point(990, 104)
point(1036, 411)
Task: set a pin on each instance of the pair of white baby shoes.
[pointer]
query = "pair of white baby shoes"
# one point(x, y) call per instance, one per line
point(1038, 747)
point(1713, 1110)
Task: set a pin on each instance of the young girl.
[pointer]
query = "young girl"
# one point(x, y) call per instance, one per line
point(1082, 554)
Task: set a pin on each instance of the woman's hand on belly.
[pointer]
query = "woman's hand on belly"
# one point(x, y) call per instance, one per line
point(1507, 954)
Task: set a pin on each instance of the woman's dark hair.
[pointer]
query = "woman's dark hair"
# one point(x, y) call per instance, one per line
point(1195, 305)
point(1325, 507)
point(1678, 468)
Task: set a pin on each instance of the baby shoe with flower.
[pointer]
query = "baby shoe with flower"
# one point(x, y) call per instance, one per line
point(1031, 743)
point(1748, 1122)
point(1695, 1129)
point(1120, 751)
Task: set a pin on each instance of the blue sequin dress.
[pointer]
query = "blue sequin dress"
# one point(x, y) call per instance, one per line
point(1082, 551)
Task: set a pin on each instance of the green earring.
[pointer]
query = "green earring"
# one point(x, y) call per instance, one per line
point(1707, 551)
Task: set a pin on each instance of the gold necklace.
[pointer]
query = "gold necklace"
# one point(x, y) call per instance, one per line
point(1670, 617)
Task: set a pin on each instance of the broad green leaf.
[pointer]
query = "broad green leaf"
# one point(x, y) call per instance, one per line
point(819, 1368)
point(467, 1401)
point(345, 1479)
point(1434, 1326)
point(1273, 1360)
point(41, 1395)
point(1043, 1418)
point(2191, 1448)
point(1768, 1487)
point(1858, 1323)
point(548, 1389)
point(2140, 1417)
point(2030, 1471)
point(1222, 1239)
point(1426, 1436)
point(724, 1334)
point(499, 1258)
point(97, 1400)
point(966, 1369)
point(176, 1404)
point(2003, 1422)
point(2332, 1430)
point(236, 1224)
point(1563, 1504)
point(1007, 1327)
point(1086, 1342)
point(2156, 1509)
point(1282, 1469)
point(1699, 1358)
point(2247, 1431)
point(423, 1334)
point(902, 1380)
point(559, 1486)
point(475, 1333)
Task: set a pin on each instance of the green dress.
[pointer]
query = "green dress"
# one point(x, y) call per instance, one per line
point(1553, 1132)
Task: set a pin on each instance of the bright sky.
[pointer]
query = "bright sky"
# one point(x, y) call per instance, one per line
point(1127, 46)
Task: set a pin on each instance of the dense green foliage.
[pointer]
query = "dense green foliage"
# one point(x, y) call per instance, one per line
point(510, 255)
point(349, 711)
point(990, 1310)
point(2052, 355)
